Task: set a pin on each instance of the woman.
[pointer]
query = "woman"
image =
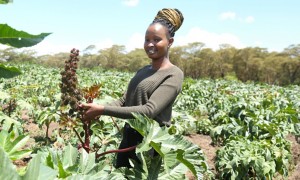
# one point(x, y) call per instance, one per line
point(153, 89)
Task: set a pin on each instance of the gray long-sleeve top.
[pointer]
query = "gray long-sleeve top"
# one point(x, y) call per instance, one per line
point(151, 93)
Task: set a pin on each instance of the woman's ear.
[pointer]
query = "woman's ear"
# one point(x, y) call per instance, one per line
point(171, 40)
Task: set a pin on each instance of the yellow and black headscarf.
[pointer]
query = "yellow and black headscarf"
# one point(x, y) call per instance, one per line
point(171, 18)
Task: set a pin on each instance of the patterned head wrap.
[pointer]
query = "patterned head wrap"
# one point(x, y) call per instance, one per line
point(171, 18)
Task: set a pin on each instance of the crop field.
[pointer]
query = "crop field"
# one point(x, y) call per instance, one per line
point(252, 127)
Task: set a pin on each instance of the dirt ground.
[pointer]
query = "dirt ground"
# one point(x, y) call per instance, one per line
point(204, 142)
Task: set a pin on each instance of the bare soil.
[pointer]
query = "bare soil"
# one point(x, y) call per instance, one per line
point(37, 136)
point(205, 143)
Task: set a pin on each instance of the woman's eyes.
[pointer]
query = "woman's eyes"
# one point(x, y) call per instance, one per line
point(155, 40)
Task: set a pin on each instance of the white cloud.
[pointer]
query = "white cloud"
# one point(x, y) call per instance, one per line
point(228, 15)
point(45, 47)
point(233, 16)
point(135, 41)
point(258, 43)
point(130, 3)
point(107, 43)
point(210, 39)
point(249, 19)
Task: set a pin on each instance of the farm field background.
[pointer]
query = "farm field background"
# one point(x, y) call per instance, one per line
point(244, 130)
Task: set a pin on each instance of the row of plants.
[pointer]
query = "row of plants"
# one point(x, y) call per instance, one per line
point(38, 93)
point(246, 120)
point(249, 121)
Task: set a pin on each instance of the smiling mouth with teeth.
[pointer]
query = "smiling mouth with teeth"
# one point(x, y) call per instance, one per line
point(151, 51)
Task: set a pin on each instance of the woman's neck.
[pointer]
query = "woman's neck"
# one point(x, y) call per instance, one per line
point(161, 64)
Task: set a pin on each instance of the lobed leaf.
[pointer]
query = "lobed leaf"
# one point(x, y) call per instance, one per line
point(9, 71)
point(7, 169)
point(18, 39)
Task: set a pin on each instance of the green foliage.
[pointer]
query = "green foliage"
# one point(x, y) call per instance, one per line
point(5, 1)
point(173, 149)
point(69, 163)
point(35, 169)
point(9, 124)
point(8, 71)
point(12, 37)
point(260, 159)
point(7, 169)
point(46, 116)
point(183, 123)
point(263, 115)
point(13, 145)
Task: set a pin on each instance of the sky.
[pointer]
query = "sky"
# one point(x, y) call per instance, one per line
point(270, 24)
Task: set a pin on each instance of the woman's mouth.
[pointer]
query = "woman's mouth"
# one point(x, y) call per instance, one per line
point(151, 51)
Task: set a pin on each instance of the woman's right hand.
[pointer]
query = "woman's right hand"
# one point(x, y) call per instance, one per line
point(91, 111)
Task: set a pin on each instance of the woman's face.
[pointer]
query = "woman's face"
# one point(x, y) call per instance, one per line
point(157, 41)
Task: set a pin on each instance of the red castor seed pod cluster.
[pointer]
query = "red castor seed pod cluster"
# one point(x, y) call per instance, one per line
point(71, 94)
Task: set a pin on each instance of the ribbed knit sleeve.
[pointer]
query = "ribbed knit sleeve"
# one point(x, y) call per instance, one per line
point(118, 102)
point(153, 96)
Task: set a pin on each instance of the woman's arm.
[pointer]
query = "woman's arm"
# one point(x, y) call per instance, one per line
point(161, 98)
point(119, 102)
point(93, 110)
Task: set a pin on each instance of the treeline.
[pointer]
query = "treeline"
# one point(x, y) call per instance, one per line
point(197, 61)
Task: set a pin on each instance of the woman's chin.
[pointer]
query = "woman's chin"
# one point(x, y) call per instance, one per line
point(151, 56)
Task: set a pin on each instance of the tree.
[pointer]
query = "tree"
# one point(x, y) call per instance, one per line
point(244, 59)
point(136, 59)
point(89, 49)
point(192, 53)
point(293, 51)
point(225, 57)
point(178, 56)
point(112, 56)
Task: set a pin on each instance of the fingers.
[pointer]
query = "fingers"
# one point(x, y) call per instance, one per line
point(86, 115)
point(84, 106)
point(91, 111)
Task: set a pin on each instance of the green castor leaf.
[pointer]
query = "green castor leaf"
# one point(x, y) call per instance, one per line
point(18, 39)
point(9, 72)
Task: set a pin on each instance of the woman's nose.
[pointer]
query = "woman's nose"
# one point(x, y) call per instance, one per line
point(150, 44)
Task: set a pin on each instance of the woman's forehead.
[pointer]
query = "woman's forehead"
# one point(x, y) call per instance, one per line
point(156, 28)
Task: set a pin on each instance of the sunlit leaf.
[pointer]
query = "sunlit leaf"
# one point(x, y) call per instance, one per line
point(18, 39)
point(36, 170)
point(5, 1)
point(9, 71)
point(7, 169)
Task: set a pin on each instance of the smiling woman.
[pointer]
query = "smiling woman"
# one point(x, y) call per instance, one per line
point(160, 34)
point(153, 89)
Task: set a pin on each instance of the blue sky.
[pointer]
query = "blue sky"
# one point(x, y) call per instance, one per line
point(271, 24)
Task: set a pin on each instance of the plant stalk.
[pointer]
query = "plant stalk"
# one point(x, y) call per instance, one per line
point(117, 151)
